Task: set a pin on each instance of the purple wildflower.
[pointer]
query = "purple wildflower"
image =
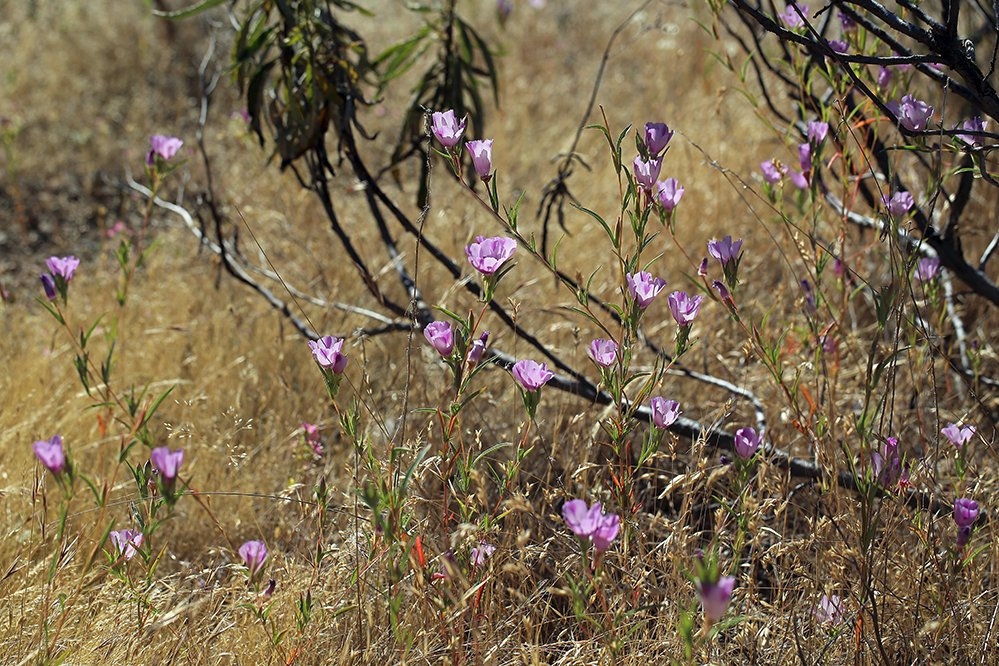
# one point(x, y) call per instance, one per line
point(965, 512)
point(913, 114)
point(126, 542)
point(327, 352)
point(644, 288)
point(440, 335)
point(482, 157)
point(477, 349)
point(62, 267)
point(884, 77)
point(591, 523)
point(253, 553)
point(791, 18)
point(48, 286)
point(603, 352)
point(724, 250)
point(829, 610)
point(657, 137)
point(747, 442)
point(163, 147)
point(715, 597)
point(927, 269)
point(899, 204)
point(487, 255)
point(958, 436)
point(531, 375)
point(166, 462)
point(817, 131)
point(481, 552)
point(312, 438)
point(839, 46)
point(50, 453)
point(975, 124)
point(668, 193)
point(664, 412)
point(647, 171)
point(773, 171)
point(447, 128)
point(684, 307)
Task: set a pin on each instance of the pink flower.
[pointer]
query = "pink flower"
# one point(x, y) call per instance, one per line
point(440, 336)
point(447, 128)
point(773, 171)
point(647, 171)
point(482, 157)
point(899, 204)
point(531, 375)
point(487, 255)
point(327, 352)
point(715, 597)
point(657, 137)
point(50, 453)
point(884, 77)
point(913, 114)
point(668, 193)
point(684, 307)
point(664, 412)
point(965, 512)
point(747, 442)
point(477, 349)
point(927, 269)
point(790, 16)
point(591, 523)
point(164, 147)
point(975, 124)
point(312, 438)
point(62, 267)
point(805, 158)
point(603, 352)
point(481, 552)
point(829, 610)
point(644, 288)
point(126, 542)
point(724, 250)
point(166, 462)
point(253, 554)
point(817, 131)
point(957, 435)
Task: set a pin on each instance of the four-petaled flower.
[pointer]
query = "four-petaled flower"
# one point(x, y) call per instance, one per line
point(644, 288)
point(647, 171)
point(913, 114)
point(166, 462)
point(927, 269)
point(487, 255)
point(163, 147)
point(62, 267)
point(829, 610)
point(126, 542)
point(327, 352)
point(965, 512)
point(440, 335)
point(664, 412)
point(817, 131)
point(481, 552)
point(657, 137)
point(684, 307)
point(724, 250)
point(958, 436)
point(253, 554)
point(747, 441)
point(974, 124)
point(482, 157)
point(715, 597)
point(668, 193)
point(50, 453)
point(899, 204)
point(591, 523)
point(447, 128)
point(531, 375)
point(603, 352)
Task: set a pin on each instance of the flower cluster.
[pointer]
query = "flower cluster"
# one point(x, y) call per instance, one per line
point(591, 523)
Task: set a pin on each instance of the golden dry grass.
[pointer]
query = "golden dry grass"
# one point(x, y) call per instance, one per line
point(82, 90)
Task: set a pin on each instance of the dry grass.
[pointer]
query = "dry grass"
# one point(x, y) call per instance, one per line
point(81, 91)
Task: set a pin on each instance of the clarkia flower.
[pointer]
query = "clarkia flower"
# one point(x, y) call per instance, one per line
point(664, 412)
point(647, 171)
point(846, 22)
point(327, 352)
point(62, 267)
point(50, 453)
point(817, 131)
point(702, 269)
point(482, 157)
point(883, 77)
point(644, 288)
point(312, 438)
point(927, 269)
point(773, 171)
point(839, 46)
point(965, 512)
point(657, 137)
point(829, 610)
point(487, 255)
point(958, 436)
point(898, 204)
point(477, 349)
point(725, 250)
point(715, 597)
point(481, 553)
point(798, 179)
point(913, 114)
point(531, 375)
point(684, 307)
point(747, 442)
point(887, 465)
point(253, 554)
point(792, 18)
point(126, 542)
point(48, 286)
point(447, 128)
point(166, 462)
point(440, 335)
point(590, 523)
point(805, 158)
point(163, 147)
point(975, 124)
point(668, 193)
point(603, 352)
